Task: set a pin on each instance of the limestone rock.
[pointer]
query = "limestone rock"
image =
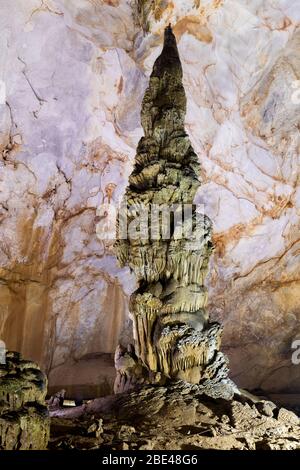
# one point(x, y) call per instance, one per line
point(24, 421)
point(57, 400)
point(174, 338)
point(266, 407)
point(287, 416)
point(62, 294)
point(176, 417)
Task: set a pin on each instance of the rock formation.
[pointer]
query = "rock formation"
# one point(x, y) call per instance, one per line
point(177, 417)
point(24, 421)
point(241, 72)
point(169, 252)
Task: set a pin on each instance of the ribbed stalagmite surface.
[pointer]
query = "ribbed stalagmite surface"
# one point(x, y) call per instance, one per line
point(24, 421)
point(169, 252)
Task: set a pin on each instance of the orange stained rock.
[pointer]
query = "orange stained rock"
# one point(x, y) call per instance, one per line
point(195, 26)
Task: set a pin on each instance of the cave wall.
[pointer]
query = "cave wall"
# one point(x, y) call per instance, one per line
point(74, 73)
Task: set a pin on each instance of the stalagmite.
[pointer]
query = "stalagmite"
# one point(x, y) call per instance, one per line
point(174, 339)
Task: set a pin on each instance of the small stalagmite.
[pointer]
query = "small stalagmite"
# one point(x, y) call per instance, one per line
point(168, 245)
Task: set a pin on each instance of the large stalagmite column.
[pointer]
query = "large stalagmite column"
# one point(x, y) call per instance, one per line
point(167, 245)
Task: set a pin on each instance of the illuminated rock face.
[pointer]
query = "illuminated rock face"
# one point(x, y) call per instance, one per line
point(173, 336)
point(70, 146)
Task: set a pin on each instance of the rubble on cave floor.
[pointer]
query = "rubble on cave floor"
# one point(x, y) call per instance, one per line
point(174, 418)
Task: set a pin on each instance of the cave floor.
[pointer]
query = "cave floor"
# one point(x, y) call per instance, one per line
point(174, 418)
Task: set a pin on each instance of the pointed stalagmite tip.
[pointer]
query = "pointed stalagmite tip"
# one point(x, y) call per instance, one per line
point(168, 29)
point(169, 58)
point(169, 35)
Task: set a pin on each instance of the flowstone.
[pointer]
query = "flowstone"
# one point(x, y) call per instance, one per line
point(169, 254)
point(24, 420)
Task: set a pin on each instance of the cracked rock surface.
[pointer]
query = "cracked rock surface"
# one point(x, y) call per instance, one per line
point(24, 420)
point(175, 418)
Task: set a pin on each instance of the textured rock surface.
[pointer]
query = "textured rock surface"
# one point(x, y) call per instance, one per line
point(175, 418)
point(75, 73)
point(92, 376)
point(24, 421)
point(168, 252)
